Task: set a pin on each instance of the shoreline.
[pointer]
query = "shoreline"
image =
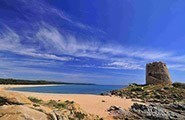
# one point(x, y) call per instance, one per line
point(9, 86)
point(93, 104)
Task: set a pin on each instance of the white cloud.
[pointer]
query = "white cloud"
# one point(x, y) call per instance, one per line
point(124, 65)
point(53, 43)
point(43, 8)
point(56, 44)
point(10, 41)
point(180, 67)
point(52, 38)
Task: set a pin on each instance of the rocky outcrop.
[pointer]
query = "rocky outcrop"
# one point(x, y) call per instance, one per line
point(20, 112)
point(176, 107)
point(118, 113)
point(149, 112)
point(68, 110)
point(157, 73)
point(9, 98)
point(15, 106)
point(154, 112)
point(163, 94)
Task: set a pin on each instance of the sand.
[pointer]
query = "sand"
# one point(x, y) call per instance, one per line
point(90, 103)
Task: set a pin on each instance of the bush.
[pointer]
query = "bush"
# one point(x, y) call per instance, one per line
point(69, 102)
point(2, 101)
point(53, 103)
point(80, 115)
point(35, 100)
point(179, 85)
point(136, 89)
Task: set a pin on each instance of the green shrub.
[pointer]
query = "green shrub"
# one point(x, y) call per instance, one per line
point(2, 101)
point(36, 105)
point(179, 85)
point(35, 100)
point(69, 102)
point(55, 104)
point(80, 115)
point(136, 89)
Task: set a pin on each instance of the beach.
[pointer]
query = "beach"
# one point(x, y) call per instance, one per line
point(93, 104)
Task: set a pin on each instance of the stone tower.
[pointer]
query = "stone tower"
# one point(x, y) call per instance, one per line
point(157, 73)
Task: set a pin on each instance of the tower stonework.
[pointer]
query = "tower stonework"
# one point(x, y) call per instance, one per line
point(157, 73)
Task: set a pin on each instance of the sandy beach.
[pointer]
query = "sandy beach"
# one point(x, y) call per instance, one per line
point(90, 103)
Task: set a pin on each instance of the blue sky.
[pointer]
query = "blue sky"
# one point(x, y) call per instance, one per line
point(103, 42)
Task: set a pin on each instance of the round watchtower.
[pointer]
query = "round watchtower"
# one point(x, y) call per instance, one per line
point(157, 73)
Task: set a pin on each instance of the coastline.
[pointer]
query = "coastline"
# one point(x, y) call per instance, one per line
point(90, 103)
point(8, 87)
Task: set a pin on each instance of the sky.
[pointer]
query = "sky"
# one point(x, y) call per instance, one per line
point(97, 41)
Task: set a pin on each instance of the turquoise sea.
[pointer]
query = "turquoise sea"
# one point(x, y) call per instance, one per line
point(71, 89)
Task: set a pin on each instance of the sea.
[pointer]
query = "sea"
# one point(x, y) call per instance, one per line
point(71, 89)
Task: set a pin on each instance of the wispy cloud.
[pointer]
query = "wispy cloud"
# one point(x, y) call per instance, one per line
point(50, 40)
point(124, 65)
point(10, 41)
point(42, 8)
point(90, 47)
point(180, 67)
point(56, 44)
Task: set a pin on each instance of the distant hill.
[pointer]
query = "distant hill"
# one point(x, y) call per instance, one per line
point(34, 82)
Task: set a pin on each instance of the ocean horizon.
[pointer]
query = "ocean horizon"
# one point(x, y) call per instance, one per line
point(71, 89)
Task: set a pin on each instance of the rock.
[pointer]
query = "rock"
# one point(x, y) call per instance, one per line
point(176, 107)
point(13, 98)
point(137, 100)
point(20, 112)
point(157, 95)
point(121, 114)
point(134, 93)
point(133, 84)
point(106, 94)
point(61, 115)
point(72, 111)
point(155, 112)
point(103, 101)
point(52, 116)
point(157, 73)
point(117, 112)
point(148, 91)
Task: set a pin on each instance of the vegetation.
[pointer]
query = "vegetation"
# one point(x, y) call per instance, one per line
point(153, 93)
point(32, 82)
point(179, 85)
point(55, 104)
point(35, 100)
point(63, 109)
point(80, 115)
point(2, 101)
point(25, 82)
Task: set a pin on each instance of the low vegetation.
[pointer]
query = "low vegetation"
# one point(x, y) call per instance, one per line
point(179, 85)
point(55, 104)
point(34, 82)
point(63, 109)
point(163, 102)
point(153, 93)
point(35, 100)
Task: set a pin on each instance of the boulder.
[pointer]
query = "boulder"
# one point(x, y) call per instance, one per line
point(155, 112)
point(7, 97)
point(20, 112)
point(118, 113)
